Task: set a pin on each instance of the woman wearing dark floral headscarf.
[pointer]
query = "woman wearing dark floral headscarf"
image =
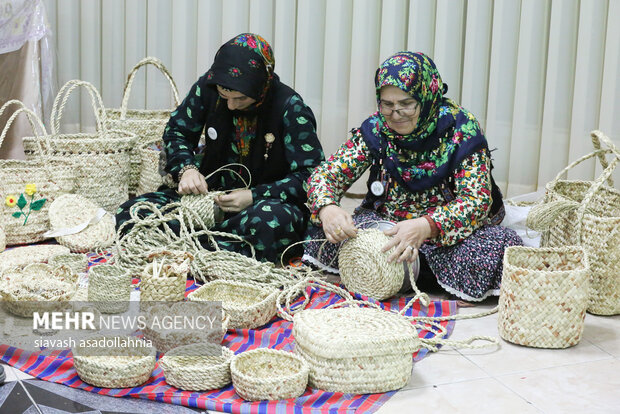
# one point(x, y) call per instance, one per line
point(248, 116)
point(430, 173)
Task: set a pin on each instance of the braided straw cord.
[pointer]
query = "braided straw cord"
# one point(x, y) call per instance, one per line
point(110, 287)
point(196, 367)
point(77, 262)
point(120, 367)
point(544, 295)
point(587, 213)
point(51, 179)
point(268, 374)
point(249, 305)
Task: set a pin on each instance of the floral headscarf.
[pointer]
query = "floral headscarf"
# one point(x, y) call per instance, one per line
point(444, 135)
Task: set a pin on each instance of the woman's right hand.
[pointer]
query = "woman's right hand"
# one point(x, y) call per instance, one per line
point(192, 182)
point(337, 223)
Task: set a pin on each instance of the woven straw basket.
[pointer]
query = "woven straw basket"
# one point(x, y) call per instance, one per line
point(364, 268)
point(249, 305)
point(544, 296)
point(164, 340)
point(85, 226)
point(147, 124)
point(161, 281)
point(150, 179)
point(587, 213)
point(24, 217)
point(100, 159)
point(25, 255)
point(268, 374)
point(37, 288)
point(356, 350)
point(110, 287)
point(77, 262)
point(119, 366)
point(197, 367)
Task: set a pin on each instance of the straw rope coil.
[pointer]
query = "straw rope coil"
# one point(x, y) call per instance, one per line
point(77, 262)
point(28, 222)
point(110, 287)
point(115, 367)
point(587, 213)
point(364, 267)
point(544, 295)
point(197, 367)
point(249, 305)
point(25, 255)
point(37, 288)
point(268, 374)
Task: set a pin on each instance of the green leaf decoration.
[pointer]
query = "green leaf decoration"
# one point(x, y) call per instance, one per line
point(287, 139)
point(189, 113)
point(266, 208)
point(234, 148)
point(301, 120)
point(17, 214)
point(243, 220)
point(181, 123)
point(273, 223)
point(307, 147)
point(21, 203)
point(252, 231)
point(293, 165)
point(267, 193)
point(197, 90)
point(283, 196)
point(255, 220)
point(37, 205)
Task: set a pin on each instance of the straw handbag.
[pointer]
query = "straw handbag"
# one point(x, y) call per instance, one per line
point(100, 159)
point(544, 296)
point(587, 213)
point(147, 124)
point(28, 187)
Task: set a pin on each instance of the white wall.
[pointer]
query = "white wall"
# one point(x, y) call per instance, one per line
point(539, 74)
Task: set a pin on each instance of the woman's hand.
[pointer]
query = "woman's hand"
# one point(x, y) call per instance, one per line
point(235, 201)
point(337, 223)
point(192, 182)
point(408, 237)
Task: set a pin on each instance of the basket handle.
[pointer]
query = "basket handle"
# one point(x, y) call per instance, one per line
point(598, 137)
point(63, 96)
point(33, 119)
point(130, 78)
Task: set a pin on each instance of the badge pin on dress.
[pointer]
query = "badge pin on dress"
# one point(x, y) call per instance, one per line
point(377, 188)
point(212, 133)
point(269, 139)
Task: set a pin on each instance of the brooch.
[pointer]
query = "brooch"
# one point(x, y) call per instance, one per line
point(269, 139)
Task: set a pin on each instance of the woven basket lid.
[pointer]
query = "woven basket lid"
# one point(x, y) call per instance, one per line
point(354, 332)
point(71, 210)
point(24, 255)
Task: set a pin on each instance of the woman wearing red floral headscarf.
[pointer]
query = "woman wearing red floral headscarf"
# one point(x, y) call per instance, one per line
point(430, 174)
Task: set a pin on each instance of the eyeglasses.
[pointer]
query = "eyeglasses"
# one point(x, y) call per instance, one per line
point(388, 109)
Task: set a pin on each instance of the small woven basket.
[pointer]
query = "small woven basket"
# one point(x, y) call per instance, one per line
point(355, 350)
point(544, 296)
point(164, 340)
point(25, 255)
point(37, 288)
point(150, 179)
point(119, 366)
point(110, 287)
point(268, 374)
point(249, 305)
point(197, 367)
point(364, 267)
point(77, 262)
point(163, 281)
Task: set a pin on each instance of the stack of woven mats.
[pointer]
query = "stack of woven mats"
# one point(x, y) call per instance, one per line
point(58, 367)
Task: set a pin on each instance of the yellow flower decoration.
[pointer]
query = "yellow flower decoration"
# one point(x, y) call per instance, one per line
point(30, 189)
point(11, 201)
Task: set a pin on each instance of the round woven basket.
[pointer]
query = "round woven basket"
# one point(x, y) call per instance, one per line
point(37, 287)
point(364, 268)
point(78, 217)
point(114, 365)
point(110, 287)
point(197, 367)
point(249, 305)
point(268, 374)
point(544, 296)
point(164, 282)
point(25, 255)
point(77, 262)
point(165, 340)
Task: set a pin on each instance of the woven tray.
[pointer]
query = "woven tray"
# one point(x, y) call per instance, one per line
point(120, 367)
point(249, 305)
point(69, 213)
point(37, 288)
point(110, 287)
point(544, 296)
point(25, 255)
point(77, 262)
point(164, 341)
point(268, 374)
point(356, 350)
point(197, 367)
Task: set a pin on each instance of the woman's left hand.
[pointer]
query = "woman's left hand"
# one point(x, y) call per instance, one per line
point(235, 201)
point(408, 237)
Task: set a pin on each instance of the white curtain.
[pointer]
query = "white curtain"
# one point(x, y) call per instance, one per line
point(538, 74)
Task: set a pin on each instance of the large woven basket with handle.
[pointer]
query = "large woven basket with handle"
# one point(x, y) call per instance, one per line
point(587, 213)
point(147, 124)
